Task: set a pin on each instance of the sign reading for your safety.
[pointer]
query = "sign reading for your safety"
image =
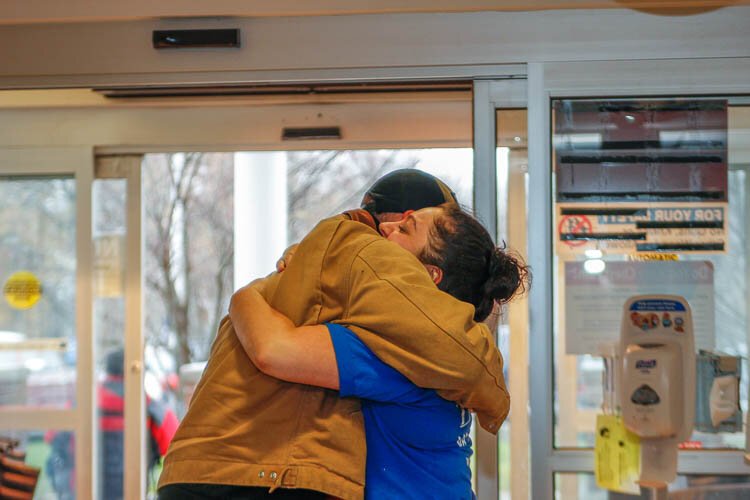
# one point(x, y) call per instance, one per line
point(642, 228)
point(22, 290)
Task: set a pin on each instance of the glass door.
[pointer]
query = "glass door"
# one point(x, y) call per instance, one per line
point(46, 410)
point(702, 260)
point(616, 151)
point(123, 456)
point(500, 165)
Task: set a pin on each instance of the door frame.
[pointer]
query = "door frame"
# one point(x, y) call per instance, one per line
point(491, 95)
point(128, 168)
point(76, 162)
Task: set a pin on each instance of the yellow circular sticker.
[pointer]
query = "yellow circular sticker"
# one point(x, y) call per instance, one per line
point(22, 290)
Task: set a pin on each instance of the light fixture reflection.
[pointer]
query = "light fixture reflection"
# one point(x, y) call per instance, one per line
point(593, 253)
point(594, 266)
point(35, 364)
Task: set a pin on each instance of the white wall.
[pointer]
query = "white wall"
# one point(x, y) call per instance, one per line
point(321, 48)
point(46, 11)
point(260, 214)
point(237, 127)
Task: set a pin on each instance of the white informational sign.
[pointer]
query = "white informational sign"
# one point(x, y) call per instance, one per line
point(109, 265)
point(634, 228)
point(593, 302)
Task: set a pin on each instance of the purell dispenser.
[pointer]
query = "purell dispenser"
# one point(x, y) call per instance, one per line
point(657, 380)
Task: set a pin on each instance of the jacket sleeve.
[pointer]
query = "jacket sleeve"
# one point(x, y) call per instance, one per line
point(424, 333)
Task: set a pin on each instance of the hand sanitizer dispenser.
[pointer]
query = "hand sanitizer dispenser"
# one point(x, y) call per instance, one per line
point(657, 380)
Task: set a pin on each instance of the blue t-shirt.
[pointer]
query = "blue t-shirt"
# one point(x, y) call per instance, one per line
point(418, 444)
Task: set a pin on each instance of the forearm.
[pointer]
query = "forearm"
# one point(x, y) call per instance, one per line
point(279, 349)
point(259, 328)
point(432, 340)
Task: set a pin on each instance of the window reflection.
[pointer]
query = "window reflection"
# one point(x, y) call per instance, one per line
point(578, 379)
point(37, 272)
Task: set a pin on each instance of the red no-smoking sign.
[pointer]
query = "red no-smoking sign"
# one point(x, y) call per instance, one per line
point(571, 226)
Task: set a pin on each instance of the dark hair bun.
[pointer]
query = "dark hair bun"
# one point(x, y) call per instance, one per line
point(507, 277)
point(474, 269)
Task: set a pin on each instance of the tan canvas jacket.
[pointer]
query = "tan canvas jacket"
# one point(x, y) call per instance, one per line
point(245, 428)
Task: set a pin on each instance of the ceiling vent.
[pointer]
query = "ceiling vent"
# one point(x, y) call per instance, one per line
point(306, 133)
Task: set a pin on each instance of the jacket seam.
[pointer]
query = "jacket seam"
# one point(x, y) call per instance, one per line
point(345, 313)
point(319, 286)
point(293, 445)
point(398, 290)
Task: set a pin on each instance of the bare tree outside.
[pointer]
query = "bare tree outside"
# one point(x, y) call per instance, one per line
point(188, 212)
point(189, 227)
point(323, 183)
point(189, 231)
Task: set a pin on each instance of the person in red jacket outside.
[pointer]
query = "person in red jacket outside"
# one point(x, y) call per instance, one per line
point(160, 419)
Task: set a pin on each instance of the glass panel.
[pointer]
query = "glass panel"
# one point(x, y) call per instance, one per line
point(50, 452)
point(187, 264)
point(582, 486)
point(512, 163)
point(37, 313)
point(109, 231)
point(714, 487)
point(594, 169)
point(189, 204)
point(341, 178)
point(109, 198)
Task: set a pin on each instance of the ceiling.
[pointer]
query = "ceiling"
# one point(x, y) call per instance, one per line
point(15, 12)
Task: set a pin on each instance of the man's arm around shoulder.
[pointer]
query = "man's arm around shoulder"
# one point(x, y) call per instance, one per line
point(424, 333)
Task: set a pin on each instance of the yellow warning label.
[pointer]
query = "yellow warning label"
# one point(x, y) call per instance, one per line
point(617, 455)
point(22, 290)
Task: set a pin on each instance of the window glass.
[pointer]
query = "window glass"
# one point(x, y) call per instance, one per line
point(37, 310)
point(572, 486)
point(190, 226)
point(668, 156)
point(47, 460)
point(512, 332)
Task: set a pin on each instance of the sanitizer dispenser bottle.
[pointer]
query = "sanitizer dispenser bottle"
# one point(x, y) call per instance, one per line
point(657, 380)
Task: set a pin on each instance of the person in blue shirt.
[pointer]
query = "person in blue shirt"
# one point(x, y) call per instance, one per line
point(418, 444)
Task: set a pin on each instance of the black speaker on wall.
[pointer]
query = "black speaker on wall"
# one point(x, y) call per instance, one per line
point(194, 39)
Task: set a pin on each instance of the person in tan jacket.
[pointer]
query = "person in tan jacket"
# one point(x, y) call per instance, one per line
point(418, 444)
point(246, 429)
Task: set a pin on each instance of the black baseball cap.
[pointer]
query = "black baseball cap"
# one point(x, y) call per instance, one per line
point(406, 189)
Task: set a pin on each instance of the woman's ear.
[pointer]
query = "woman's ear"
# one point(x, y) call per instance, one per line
point(435, 273)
